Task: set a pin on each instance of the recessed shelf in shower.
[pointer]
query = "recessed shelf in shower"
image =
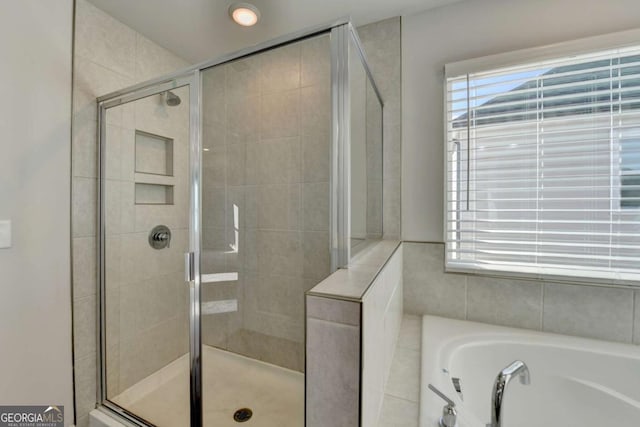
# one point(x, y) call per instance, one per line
point(153, 194)
point(154, 180)
point(154, 154)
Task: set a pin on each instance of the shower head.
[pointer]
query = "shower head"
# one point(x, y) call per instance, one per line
point(172, 99)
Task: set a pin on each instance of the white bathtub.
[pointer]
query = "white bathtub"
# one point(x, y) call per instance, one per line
point(575, 382)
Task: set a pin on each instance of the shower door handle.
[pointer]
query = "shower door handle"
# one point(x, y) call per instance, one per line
point(189, 267)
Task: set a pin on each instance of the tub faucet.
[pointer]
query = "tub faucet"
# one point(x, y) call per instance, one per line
point(449, 414)
point(516, 369)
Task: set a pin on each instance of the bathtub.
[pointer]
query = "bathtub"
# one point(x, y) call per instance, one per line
point(575, 382)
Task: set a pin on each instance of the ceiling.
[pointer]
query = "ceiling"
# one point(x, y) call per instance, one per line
point(198, 30)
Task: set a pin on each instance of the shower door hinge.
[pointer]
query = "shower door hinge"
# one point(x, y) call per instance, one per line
point(189, 267)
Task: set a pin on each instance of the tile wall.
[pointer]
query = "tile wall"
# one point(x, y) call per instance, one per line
point(401, 404)
point(382, 44)
point(599, 312)
point(351, 343)
point(333, 362)
point(108, 56)
point(381, 318)
point(266, 196)
point(366, 154)
point(375, 162)
point(358, 134)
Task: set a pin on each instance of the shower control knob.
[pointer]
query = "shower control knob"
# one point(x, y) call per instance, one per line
point(160, 237)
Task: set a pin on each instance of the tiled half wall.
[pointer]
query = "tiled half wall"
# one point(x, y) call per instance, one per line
point(351, 339)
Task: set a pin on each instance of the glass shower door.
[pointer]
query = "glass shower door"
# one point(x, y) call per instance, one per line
point(146, 227)
point(265, 227)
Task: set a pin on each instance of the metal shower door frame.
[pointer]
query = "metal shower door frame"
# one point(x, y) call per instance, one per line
point(192, 79)
point(341, 34)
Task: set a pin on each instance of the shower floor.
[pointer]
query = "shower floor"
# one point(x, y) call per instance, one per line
point(230, 382)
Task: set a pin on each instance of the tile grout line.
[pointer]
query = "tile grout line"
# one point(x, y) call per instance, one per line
point(106, 67)
point(542, 286)
point(417, 402)
point(466, 297)
point(633, 316)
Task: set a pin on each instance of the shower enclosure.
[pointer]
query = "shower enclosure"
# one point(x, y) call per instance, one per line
point(227, 191)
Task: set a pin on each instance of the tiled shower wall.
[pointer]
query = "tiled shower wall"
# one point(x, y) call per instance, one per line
point(374, 161)
point(267, 131)
point(366, 154)
point(108, 56)
point(266, 196)
point(382, 44)
point(600, 312)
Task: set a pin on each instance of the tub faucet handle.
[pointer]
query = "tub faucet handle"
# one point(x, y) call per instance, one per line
point(449, 413)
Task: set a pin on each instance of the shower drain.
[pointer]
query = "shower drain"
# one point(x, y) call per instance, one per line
point(242, 415)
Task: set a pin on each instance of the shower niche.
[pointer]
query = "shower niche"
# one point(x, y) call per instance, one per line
point(154, 154)
point(154, 179)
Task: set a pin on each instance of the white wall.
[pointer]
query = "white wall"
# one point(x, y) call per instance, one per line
point(465, 30)
point(35, 169)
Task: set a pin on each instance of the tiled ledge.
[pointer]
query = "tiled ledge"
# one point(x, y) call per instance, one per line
point(352, 282)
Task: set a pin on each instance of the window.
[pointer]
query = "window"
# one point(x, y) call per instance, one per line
point(543, 167)
point(630, 173)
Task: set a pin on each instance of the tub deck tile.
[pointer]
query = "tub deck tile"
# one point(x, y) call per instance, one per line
point(401, 405)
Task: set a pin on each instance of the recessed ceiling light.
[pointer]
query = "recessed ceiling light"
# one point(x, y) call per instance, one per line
point(244, 14)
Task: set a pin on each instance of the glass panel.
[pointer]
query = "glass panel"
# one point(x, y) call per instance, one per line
point(147, 332)
point(366, 156)
point(265, 224)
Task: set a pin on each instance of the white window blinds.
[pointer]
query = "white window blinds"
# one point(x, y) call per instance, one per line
point(543, 168)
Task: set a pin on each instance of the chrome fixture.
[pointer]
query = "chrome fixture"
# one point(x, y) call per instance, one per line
point(160, 237)
point(242, 415)
point(458, 386)
point(171, 99)
point(449, 413)
point(516, 369)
